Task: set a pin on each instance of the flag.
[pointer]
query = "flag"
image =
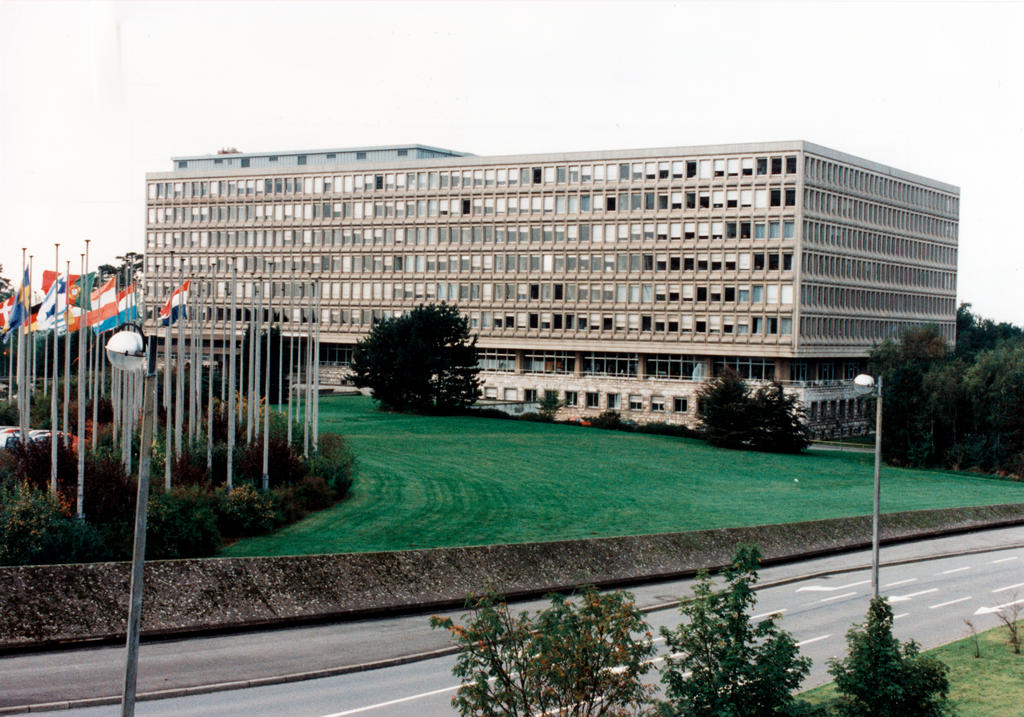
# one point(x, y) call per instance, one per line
point(5, 311)
point(114, 314)
point(103, 303)
point(175, 309)
point(46, 317)
point(20, 314)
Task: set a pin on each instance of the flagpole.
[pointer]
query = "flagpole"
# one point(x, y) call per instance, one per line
point(280, 347)
point(67, 347)
point(231, 380)
point(179, 390)
point(316, 367)
point(266, 390)
point(79, 503)
point(192, 371)
point(257, 352)
point(31, 343)
point(291, 353)
point(309, 369)
point(168, 397)
point(250, 355)
point(211, 287)
point(53, 393)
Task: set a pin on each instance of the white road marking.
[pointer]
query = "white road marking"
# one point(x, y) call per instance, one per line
point(1002, 560)
point(908, 596)
point(763, 615)
point(830, 589)
point(900, 582)
point(955, 570)
point(398, 701)
point(949, 602)
point(902, 614)
point(819, 638)
point(1008, 587)
point(995, 608)
point(838, 597)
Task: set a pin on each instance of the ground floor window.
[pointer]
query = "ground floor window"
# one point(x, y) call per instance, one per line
point(657, 404)
point(572, 398)
point(593, 400)
point(636, 402)
point(614, 402)
point(529, 395)
point(680, 405)
point(511, 394)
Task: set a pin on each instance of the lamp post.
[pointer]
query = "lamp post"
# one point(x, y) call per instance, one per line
point(128, 351)
point(865, 385)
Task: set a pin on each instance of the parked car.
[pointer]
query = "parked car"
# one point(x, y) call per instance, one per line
point(9, 435)
point(43, 435)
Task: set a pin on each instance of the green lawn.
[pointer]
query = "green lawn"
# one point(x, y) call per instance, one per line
point(989, 686)
point(426, 482)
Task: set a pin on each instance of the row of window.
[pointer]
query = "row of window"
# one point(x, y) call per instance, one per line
point(595, 400)
point(562, 264)
point(826, 329)
point(844, 299)
point(479, 234)
point(477, 206)
point(483, 177)
point(886, 188)
point(845, 207)
point(833, 267)
point(850, 238)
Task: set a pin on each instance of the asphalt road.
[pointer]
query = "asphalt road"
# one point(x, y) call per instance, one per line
point(931, 598)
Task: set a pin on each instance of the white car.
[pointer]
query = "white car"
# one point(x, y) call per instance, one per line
point(8, 435)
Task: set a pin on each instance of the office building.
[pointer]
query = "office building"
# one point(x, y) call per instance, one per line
point(620, 279)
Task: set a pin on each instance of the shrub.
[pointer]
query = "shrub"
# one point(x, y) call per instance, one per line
point(880, 676)
point(189, 469)
point(182, 524)
point(34, 531)
point(284, 465)
point(288, 505)
point(334, 462)
point(109, 491)
point(314, 493)
point(245, 511)
point(610, 420)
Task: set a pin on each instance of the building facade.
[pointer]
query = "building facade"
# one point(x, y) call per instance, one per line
point(620, 279)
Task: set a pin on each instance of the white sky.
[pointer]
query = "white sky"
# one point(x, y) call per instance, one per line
point(95, 94)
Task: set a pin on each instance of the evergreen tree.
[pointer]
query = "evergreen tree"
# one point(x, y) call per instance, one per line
point(424, 361)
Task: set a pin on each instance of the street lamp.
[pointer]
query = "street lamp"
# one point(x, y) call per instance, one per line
point(865, 385)
point(128, 350)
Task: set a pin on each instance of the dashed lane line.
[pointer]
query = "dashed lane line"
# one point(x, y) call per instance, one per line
point(1002, 560)
point(1008, 587)
point(949, 602)
point(819, 638)
point(909, 596)
point(389, 703)
point(955, 570)
point(900, 582)
point(838, 597)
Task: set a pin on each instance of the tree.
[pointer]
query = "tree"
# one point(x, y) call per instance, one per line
point(424, 361)
point(882, 678)
point(767, 420)
point(725, 411)
point(581, 656)
point(722, 665)
point(549, 405)
point(780, 426)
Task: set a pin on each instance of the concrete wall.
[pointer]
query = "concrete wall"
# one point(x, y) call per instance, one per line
point(50, 605)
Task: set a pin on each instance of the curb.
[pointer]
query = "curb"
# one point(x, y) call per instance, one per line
point(440, 652)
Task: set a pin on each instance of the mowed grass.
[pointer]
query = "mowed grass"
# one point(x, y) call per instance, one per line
point(444, 481)
point(989, 686)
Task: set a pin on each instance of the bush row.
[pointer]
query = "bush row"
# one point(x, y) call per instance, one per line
point(191, 520)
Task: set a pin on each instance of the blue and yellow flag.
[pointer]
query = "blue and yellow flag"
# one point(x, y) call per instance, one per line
point(22, 309)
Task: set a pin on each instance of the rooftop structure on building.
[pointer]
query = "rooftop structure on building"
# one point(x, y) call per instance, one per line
point(620, 279)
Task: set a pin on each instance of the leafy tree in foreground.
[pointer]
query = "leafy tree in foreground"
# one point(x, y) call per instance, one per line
point(722, 665)
point(423, 361)
point(881, 677)
point(581, 656)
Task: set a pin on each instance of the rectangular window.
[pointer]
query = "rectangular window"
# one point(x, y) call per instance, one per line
point(679, 405)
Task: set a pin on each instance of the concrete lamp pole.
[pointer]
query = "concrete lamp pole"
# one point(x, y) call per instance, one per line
point(127, 350)
point(865, 385)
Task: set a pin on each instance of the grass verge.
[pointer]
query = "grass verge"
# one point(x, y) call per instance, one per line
point(986, 686)
point(427, 482)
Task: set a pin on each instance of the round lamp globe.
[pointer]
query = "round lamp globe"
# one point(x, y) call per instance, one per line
point(126, 350)
point(864, 383)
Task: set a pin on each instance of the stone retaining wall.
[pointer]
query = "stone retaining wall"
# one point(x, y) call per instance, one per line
point(50, 605)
